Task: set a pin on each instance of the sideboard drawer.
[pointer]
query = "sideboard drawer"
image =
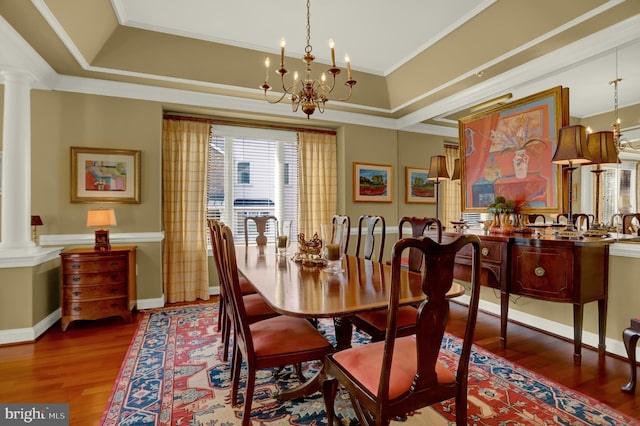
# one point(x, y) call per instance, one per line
point(96, 308)
point(94, 265)
point(545, 274)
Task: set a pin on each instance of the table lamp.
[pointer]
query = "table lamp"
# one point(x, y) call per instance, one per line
point(438, 171)
point(572, 149)
point(101, 218)
point(603, 151)
point(35, 222)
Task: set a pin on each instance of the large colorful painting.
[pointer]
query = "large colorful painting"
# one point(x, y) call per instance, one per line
point(508, 150)
point(372, 182)
point(105, 175)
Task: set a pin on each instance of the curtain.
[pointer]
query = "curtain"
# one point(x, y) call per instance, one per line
point(184, 162)
point(318, 181)
point(452, 200)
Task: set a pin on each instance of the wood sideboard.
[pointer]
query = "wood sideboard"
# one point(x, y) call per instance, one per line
point(545, 268)
point(97, 284)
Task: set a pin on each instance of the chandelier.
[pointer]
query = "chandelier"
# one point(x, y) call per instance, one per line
point(308, 93)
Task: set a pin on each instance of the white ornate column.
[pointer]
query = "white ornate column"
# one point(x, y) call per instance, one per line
point(16, 162)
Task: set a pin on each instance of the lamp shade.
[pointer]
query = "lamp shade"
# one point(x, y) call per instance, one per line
point(438, 168)
point(572, 146)
point(602, 148)
point(456, 170)
point(102, 217)
point(36, 221)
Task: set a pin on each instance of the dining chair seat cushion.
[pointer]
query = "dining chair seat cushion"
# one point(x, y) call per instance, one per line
point(407, 316)
point(364, 364)
point(246, 287)
point(284, 334)
point(255, 306)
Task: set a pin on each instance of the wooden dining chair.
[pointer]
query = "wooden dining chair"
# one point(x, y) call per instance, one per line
point(270, 343)
point(345, 221)
point(391, 378)
point(255, 306)
point(631, 223)
point(533, 218)
point(245, 285)
point(261, 223)
point(428, 226)
point(367, 239)
point(580, 220)
point(630, 336)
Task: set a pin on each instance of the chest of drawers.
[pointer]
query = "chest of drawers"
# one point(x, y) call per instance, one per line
point(97, 284)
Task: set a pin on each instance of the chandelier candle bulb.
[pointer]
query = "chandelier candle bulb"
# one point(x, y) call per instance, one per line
point(267, 64)
point(348, 61)
point(333, 53)
point(282, 44)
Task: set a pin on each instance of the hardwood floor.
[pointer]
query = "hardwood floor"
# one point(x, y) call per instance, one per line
point(79, 366)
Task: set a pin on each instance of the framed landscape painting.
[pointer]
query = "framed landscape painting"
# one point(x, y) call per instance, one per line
point(372, 182)
point(105, 175)
point(419, 189)
point(507, 151)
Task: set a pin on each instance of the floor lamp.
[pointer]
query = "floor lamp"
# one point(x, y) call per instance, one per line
point(603, 151)
point(572, 149)
point(438, 172)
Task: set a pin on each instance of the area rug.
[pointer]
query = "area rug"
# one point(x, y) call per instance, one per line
point(173, 374)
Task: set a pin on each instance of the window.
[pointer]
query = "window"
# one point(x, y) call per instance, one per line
point(252, 172)
point(618, 188)
point(244, 173)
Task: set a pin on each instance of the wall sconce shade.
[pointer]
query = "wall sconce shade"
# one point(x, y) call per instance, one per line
point(438, 168)
point(456, 170)
point(101, 218)
point(602, 148)
point(572, 146)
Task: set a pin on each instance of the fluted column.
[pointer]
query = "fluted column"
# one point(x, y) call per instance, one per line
point(16, 162)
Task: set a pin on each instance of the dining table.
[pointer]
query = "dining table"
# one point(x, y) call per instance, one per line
point(306, 290)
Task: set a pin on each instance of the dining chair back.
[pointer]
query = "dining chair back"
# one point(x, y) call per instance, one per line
point(391, 378)
point(580, 220)
point(533, 218)
point(631, 223)
point(367, 237)
point(261, 223)
point(257, 309)
point(428, 226)
point(270, 343)
point(345, 221)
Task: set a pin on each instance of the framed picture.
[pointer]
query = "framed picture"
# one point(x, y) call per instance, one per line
point(105, 175)
point(419, 189)
point(508, 150)
point(372, 182)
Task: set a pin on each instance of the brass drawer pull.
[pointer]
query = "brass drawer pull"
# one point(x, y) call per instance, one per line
point(76, 293)
point(77, 308)
point(485, 251)
point(75, 279)
point(76, 266)
point(539, 271)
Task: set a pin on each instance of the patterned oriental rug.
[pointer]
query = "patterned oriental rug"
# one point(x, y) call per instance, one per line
point(173, 374)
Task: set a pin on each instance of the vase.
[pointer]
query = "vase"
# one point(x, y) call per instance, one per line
point(521, 164)
point(495, 226)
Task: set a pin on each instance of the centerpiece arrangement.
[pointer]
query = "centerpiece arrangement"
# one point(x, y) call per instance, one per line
point(502, 210)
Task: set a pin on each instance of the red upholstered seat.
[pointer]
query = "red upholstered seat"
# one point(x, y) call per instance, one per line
point(364, 363)
point(407, 316)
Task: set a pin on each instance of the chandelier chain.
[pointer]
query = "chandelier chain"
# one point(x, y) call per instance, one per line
point(308, 48)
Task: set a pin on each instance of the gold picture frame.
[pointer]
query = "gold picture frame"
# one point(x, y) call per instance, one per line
point(507, 151)
point(101, 175)
point(418, 188)
point(372, 182)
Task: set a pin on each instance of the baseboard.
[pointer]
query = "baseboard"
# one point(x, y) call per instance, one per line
point(614, 347)
point(29, 334)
